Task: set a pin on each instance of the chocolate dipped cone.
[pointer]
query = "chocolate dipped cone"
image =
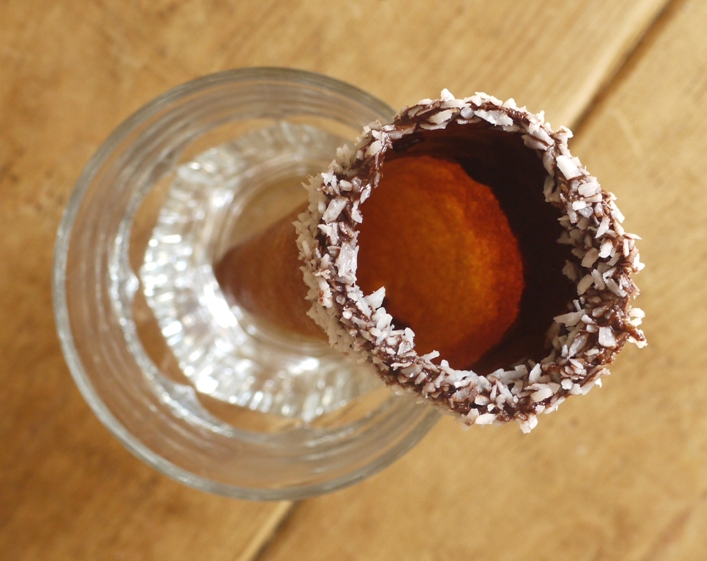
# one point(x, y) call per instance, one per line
point(557, 296)
point(464, 252)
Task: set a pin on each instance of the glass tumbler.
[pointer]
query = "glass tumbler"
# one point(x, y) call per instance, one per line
point(187, 381)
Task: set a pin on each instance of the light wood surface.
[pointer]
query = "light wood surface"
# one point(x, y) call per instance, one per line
point(618, 475)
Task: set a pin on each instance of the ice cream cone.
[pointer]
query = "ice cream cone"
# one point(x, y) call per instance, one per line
point(507, 272)
point(262, 275)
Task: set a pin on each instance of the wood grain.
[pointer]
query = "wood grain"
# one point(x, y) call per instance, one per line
point(71, 71)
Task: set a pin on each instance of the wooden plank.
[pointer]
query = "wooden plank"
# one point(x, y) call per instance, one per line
point(620, 474)
point(71, 71)
point(69, 490)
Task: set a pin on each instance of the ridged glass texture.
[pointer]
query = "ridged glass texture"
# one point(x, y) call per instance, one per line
point(201, 430)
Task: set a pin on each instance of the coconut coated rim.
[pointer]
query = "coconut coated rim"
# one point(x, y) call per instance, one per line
point(582, 342)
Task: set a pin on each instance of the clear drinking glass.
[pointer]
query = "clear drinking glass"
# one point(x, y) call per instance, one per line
point(192, 386)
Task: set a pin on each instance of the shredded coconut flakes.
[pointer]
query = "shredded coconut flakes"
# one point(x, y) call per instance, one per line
point(359, 326)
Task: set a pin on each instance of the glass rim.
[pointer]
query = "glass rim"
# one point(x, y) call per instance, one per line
point(62, 313)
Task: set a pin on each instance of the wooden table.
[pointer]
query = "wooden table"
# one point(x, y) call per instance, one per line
point(620, 475)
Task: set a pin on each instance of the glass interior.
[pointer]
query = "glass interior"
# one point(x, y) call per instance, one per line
point(220, 198)
point(194, 387)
